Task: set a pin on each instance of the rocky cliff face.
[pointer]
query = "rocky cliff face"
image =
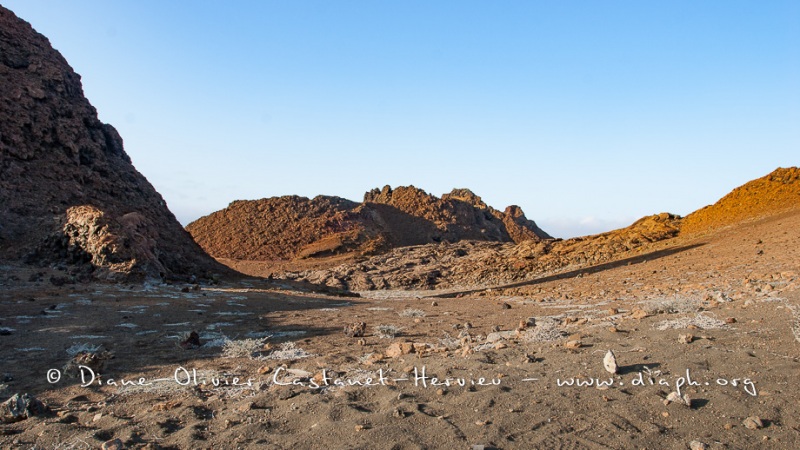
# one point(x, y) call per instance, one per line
point(68, 190)
point(297, 227)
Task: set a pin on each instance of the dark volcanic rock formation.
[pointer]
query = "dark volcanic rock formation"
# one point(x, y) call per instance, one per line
point(68, 190)
point(297, 227)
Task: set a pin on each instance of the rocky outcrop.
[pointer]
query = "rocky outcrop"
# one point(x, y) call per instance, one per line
point(296, 227)
point(773, 193)
point(68, 190)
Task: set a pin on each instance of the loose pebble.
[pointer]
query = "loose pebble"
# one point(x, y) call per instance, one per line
point(610, 362)
point(753, 423)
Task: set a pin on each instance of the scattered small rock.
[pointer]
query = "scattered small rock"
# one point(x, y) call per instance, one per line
point(573, 344)
point(639, 314)
point(95, 360)
point(357, 329)
point(686, 338)
point(166, 406)
point(191, 341)
point(286, 394)
point(697, 445)
point(398, 349)
point(610, 362)
point(20, 407)
point(506, 306)
point(674, 397)
point(753, 423)
point(114, 444)
point(64, 417)
point(497, 336)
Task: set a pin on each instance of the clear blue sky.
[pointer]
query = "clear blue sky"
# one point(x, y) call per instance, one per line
point(587, 114)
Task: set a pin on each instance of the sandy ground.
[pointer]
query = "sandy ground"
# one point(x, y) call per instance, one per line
point(716, 318)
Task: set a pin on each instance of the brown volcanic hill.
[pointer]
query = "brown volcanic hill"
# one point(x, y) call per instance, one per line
point(296, 227)
point(278, 227)
point(68, 190)
point(776, 192)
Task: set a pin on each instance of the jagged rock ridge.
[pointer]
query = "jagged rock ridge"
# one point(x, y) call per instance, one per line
point(297, 227)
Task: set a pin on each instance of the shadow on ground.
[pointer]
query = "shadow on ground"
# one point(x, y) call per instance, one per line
point(574, 273)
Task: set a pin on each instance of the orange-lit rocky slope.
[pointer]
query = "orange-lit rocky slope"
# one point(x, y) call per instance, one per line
point(778, 191)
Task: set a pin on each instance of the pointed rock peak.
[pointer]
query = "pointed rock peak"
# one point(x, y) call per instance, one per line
point(465, 195)
point(515, 212)
point(378, 195)
point(387, 195)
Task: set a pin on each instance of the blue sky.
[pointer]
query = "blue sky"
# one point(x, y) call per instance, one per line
point(588, 115)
